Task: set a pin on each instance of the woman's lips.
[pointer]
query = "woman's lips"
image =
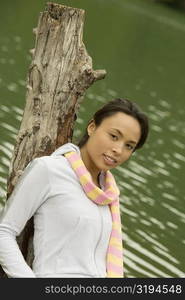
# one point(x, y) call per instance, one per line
point(109, 160)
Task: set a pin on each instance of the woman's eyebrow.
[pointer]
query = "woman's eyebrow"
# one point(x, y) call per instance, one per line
point(120, 133)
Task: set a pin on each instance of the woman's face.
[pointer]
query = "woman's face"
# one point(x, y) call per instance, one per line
point(111, 143)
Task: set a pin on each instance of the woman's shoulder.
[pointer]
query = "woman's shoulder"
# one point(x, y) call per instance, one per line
point(56, 161)
point(50, 161)
point(54, 166)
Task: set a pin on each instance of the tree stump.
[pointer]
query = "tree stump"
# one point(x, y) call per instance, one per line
point(59, 75)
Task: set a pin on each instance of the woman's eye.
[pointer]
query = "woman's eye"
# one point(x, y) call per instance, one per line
point(114, 137)
point(130, 147)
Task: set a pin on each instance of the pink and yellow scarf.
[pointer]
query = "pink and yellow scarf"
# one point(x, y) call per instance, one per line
point(110, 196)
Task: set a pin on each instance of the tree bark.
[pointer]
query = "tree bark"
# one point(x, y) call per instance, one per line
point(59, 75)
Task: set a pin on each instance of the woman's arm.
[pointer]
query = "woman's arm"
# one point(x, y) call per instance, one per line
point(30, 192)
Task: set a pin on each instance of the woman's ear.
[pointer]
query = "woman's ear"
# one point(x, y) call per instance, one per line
point(91, 127)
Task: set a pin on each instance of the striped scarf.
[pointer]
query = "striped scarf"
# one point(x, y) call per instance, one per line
point(110, 196)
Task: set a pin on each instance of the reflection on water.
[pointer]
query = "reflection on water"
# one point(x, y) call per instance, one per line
point(154, 14)
point(9, 118)
point(151, 182)
point(165, 220)
point(155, 193)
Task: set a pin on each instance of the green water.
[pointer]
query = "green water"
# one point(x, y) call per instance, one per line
point(141, 45)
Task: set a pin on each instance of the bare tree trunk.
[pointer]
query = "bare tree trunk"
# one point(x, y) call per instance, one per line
point(59, 75)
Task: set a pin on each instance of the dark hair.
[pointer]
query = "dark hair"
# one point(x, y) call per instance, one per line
point(120, 105)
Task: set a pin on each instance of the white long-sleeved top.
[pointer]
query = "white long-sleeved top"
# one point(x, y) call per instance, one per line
point(71, 232)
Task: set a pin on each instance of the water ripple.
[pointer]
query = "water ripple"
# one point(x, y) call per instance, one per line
point(155, 258)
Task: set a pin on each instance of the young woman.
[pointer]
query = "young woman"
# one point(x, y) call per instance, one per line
point(75, 201)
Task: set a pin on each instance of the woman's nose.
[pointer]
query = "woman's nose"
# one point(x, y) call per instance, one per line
point(118, 149)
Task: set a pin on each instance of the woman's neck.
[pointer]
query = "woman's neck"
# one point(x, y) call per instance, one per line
point(92, 169)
